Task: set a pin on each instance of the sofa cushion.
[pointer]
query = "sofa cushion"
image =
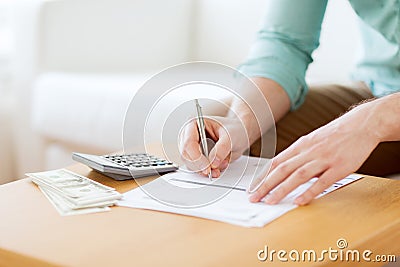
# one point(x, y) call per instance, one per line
point(88, 110)
point(83, 109)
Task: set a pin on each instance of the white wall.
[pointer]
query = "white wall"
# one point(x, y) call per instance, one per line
point(7, 104)
point(118, 35)
point(7, 167)
point(340, 39)
point(225, 29)
point(24, 61)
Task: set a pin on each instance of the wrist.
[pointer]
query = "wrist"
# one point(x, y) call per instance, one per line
point(379, 118)
point(386, 115)
point(266, 108)
point(246, 116)
point(252, 127)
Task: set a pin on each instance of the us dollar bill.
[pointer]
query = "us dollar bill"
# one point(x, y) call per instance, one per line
point(71, 193)
point(64, 209)
point(70, 184)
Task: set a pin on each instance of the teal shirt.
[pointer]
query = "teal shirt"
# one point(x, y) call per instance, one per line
point(290, 33)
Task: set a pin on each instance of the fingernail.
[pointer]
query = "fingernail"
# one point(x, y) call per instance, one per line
point(269, 199)
point(215, 163)
point(206, 171)
point(215, 173)
point(254, 197)
point(299, 201)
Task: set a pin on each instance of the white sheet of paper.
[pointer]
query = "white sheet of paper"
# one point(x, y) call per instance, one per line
point(239, 174)
point(234, 207)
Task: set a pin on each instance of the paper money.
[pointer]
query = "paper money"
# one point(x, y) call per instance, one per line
point(69, 183)
point(71, 193)
point(64, 209)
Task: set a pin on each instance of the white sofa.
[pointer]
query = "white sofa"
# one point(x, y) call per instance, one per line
point(81, 61)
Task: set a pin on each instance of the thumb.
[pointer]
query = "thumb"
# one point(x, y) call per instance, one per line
point(220, 151)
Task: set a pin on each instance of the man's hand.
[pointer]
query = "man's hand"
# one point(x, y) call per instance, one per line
point(329, 153)
point(235, 130)
point(229, 136)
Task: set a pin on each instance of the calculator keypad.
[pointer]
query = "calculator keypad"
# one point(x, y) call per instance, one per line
point(142, 160)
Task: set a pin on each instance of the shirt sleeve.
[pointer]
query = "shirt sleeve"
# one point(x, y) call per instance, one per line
point(282, 50)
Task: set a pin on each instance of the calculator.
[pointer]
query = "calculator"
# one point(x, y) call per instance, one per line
point(126, 166)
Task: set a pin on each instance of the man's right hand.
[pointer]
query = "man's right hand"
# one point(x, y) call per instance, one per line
point(236, 130)
point(229, 135)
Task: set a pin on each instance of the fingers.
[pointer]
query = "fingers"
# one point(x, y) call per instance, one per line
point(286, 155)
point(199, 164)
point(190, 150)
point(280, 173)
point(220, 155)
point(324, 181)
point(221, 151)
point(224, 164)
point(297, 178)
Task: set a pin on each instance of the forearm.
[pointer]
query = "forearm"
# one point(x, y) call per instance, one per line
point(277, 99)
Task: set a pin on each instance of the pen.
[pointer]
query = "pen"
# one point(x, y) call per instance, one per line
point(202, 132)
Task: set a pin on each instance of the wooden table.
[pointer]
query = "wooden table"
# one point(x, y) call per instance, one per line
point(32, 233)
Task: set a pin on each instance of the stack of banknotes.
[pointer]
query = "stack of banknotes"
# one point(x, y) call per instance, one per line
point(72, 194)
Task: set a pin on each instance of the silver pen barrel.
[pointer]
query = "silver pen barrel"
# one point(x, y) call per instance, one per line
point(202, 132)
